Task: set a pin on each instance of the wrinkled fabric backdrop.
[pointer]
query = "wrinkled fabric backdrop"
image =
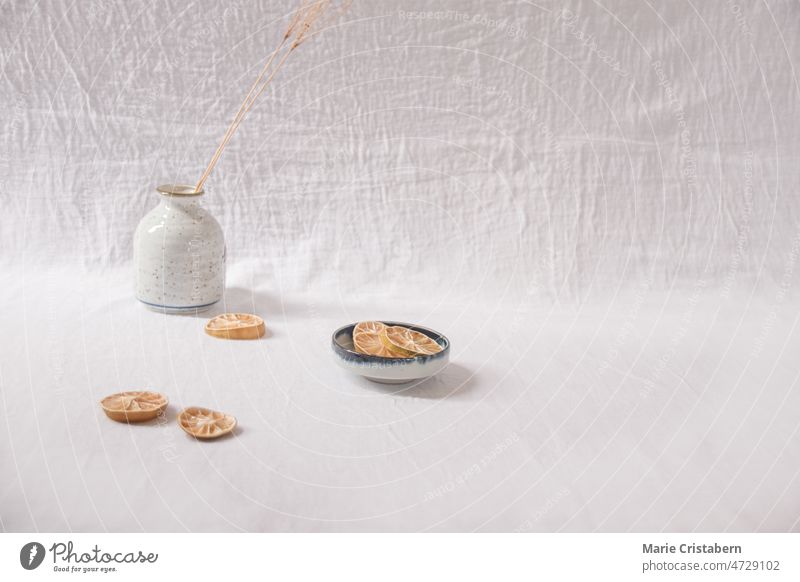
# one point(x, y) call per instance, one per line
point(597, 202)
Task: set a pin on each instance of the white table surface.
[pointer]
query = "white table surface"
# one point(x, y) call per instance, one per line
point(646, 413)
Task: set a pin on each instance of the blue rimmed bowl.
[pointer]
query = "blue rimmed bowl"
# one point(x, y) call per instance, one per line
point(389, 370)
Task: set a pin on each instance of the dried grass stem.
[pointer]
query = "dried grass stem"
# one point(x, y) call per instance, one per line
point(305, 20)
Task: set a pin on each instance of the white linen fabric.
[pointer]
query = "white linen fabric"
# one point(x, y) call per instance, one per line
point(596, 202)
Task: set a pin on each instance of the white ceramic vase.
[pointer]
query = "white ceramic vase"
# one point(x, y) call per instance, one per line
point(179, 254)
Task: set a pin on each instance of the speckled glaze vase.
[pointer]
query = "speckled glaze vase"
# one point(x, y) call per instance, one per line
point(179, 254)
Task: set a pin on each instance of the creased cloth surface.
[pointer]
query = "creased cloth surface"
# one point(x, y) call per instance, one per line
point(596, 203)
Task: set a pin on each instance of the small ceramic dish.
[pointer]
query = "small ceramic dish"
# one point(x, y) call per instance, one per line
point(389, 370)
point(134, 406)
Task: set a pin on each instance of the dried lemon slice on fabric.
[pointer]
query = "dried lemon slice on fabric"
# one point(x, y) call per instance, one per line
point(236, 326)
point(134, 406)
point(367, 340)
point(402, 340)
point(203, 423)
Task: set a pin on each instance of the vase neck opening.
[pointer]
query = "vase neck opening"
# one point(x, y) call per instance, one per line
point(179, 191)
point(179, 195)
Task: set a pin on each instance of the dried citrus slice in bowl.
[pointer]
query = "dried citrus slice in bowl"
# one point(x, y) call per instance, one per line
point(134, 406)
point(406, 341)
point(367, 339)
point(236, 326)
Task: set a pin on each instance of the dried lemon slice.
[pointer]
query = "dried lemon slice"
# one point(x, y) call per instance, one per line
point(203, 423)
point(402, 340)
point(134, 406)
point(236, 326)
point(366, 339)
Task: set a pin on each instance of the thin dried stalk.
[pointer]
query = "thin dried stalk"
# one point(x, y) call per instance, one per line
point(249, 98)
point(305, 21)
point(239, 114)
